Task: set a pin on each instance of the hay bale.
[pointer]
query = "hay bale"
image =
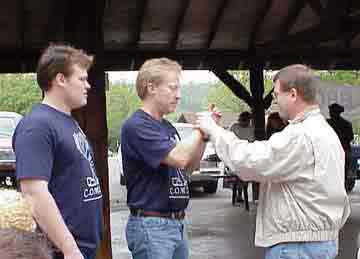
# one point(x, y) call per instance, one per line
point(14, 211)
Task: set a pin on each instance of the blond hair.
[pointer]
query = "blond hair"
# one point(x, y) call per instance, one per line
point(153, 71)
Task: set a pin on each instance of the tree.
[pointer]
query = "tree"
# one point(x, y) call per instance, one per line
point(222, 96)
point(18, 92)
point(122, 101)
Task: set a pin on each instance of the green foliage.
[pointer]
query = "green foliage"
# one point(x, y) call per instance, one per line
point(224, 98)
point(350, 77)
point(18, 92)
point(121, 102)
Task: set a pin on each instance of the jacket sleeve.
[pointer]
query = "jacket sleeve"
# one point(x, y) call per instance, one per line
point(281, 158)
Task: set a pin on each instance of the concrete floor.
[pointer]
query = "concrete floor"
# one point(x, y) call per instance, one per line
point(219, 230)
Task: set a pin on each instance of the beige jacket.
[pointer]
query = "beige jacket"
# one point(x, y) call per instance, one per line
point(301, 171)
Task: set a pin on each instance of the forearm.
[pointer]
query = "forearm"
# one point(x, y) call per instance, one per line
point(187, 152)
point(195, 159)
point(48, 217)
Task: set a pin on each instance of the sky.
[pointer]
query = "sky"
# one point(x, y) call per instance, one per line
point(187, 76)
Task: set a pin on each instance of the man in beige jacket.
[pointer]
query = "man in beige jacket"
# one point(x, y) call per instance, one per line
point(303, 202)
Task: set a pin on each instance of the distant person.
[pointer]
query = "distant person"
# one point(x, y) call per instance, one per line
point(154, 162)
point(303, 203)
point(21, 244)
point(344, 130)
point(54, 160)
point(274, 124)
point(243, 130)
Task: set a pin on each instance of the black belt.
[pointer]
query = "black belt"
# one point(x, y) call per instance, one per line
point(148, 213)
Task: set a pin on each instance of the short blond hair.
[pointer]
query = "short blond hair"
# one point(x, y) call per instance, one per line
point(153, 71)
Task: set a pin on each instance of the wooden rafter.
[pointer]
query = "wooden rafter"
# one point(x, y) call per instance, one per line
point(216, 23)
point(139, 23)
point(259, 21)
point(21, 24)
point(290, 20)
point(316, 6)
point(234, 85)
point(333, 17)
point(179, 23)
point(56, 20)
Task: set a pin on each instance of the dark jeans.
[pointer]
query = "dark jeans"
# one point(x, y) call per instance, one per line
point(88, 253)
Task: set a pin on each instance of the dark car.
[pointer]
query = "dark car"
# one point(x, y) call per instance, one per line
point(354, 173)
point(8, 122)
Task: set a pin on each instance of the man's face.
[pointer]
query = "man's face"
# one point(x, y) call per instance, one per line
point(283, 101)
point(76, 88)
point(167, 93)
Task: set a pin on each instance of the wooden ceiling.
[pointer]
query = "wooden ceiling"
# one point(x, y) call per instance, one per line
point(199, 34)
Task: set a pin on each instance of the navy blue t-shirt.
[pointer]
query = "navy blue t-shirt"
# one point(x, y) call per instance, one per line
point(49, 145)
point(151, 185)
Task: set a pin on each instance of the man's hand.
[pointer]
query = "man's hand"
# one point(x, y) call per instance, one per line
point(206, 123)
point(215, 113)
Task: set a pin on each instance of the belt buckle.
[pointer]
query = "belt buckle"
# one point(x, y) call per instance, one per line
point(139, 212)
point(173, 215)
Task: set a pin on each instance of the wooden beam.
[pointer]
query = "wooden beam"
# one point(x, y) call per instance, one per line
point(316, 6)
point(56, 20)
point(216, 23)
point(139, 23)
point(259, 22)
point(257, 91)
point(234, 85)
point(290, 20)
point(340, 28)
point(21, 24)
point(179, 23)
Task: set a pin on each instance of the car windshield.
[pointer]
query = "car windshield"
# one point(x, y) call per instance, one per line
point(184, 132)
point(7, 127)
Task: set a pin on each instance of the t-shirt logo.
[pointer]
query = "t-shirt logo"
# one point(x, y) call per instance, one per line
point(178, 188)
point(92, 190)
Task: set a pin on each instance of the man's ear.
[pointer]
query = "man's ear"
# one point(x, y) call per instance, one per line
point(150, 87)
point(60, 79)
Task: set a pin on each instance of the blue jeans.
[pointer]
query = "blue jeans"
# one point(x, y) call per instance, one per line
point(155, 238)
point(303, 250)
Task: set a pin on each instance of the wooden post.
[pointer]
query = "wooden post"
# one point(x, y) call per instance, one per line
point(85, 30)
point(258, 110)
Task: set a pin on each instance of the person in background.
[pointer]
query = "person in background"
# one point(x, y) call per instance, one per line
point(274, 124)
point(154, 162)
point(303, 203)
point(243, 130)
point(54, 160)
point(344, 131)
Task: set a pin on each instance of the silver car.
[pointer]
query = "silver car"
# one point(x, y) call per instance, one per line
point(8, 122)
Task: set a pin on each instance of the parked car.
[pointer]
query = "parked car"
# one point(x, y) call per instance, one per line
point(210, 168)
point(354, 173)
point(8, 122)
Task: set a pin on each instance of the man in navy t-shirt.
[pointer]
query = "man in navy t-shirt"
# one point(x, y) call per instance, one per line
point(154, 162)
point(54, 161)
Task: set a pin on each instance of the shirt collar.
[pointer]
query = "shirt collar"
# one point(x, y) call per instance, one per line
point(310, 111)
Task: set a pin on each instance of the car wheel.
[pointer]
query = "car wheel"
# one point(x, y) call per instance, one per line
point(211, 187)
point(349, 184)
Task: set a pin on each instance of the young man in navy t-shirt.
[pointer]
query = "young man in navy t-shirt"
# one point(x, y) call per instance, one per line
point(154, 161)
point(54, 161)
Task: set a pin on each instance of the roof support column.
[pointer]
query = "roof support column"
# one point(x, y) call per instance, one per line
point(86, 31)
point(258, 109)
point(257, 92)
